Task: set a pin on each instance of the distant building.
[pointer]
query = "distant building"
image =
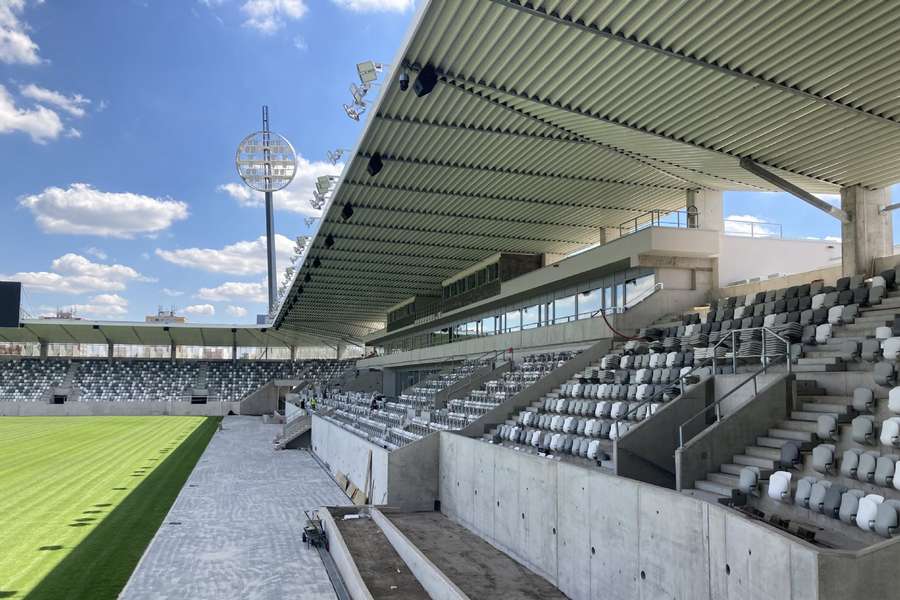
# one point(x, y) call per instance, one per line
point(61, 313)
point(165, 317)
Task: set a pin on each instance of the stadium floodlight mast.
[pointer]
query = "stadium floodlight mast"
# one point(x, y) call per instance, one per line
point(267, 163)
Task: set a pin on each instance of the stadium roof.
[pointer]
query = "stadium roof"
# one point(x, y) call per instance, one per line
point(552, 120)
point(153, 334)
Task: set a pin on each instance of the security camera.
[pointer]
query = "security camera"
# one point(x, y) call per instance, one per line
point(404, 81)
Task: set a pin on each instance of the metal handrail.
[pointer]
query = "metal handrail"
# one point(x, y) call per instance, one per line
point(680, 380)
point(717, 404)
point(658, 286)
point(655, 220)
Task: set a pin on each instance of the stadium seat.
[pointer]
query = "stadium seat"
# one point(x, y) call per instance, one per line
point(867, 512)
point(779, 485)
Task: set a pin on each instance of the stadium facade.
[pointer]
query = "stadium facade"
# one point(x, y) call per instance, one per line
point(571, 354)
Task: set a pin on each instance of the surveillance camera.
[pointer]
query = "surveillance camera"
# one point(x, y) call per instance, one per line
point(404, 81)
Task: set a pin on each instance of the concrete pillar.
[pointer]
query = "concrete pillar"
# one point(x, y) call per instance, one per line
point(705, 209)
point(869, 234)
point(110, 350)
point(341, 349)
point(234, 345)
point(293, 352)
point(43, 349)
point(173, 351)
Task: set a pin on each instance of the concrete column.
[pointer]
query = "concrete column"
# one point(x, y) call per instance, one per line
point(233, 345)
point(43, 349)
point(341, 349)
point(709, 210)
point(173, 351)
point(110, 350)
point(293, 352)
point(869, 234)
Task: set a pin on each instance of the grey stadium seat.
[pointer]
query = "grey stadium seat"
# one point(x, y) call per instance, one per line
point(823, 458)
point(850, 462)
point(850, 506)
point(886, 518)
point(826, 427)
point(863, 399)
point(865, 470)
point(832, 503)
point(884, 471)
point(863, 429)
point(817, 495)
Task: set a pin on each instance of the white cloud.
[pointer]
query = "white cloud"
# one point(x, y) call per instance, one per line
point(835, 239)
point(83, 210)
point(832, 199)
point(241, 258)
point(74, 105)
point(75, 274)
point(295, 197)
point(374, 5)
point(300, 43)
point(235, 291)
point(237, 311)
point(103, 305)
point(750, 225)
point(96, 253)
point(268, 16)
point(16, 46)
point(204, 310)
point(73, 133)
point(172, 293)
point(41, 123)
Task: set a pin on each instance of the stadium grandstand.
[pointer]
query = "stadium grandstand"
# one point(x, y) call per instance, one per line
point(526, 353)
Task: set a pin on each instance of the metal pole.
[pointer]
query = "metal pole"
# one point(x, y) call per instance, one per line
point(270, 214)
point(733, 353)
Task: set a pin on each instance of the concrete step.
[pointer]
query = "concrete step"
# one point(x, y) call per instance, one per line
point(798, 425)
point(811, 416)
point(713, 488)
point(763, 452)
point(823, 360)
point(836, 353)
point(771, 442)
point(755, 461)
point(851, 334)
point(791, 434)
point(880, 309)
point(824, 408)
point(731, 469)
point(819, 368)
point(826, 398)
point(730, 481)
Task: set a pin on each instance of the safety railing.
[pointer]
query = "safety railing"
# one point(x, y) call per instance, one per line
point(767, 361)
point(655, 218)
point(712, 361)
point(752, 229)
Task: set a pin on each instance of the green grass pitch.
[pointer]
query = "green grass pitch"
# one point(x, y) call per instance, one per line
point(81, 497)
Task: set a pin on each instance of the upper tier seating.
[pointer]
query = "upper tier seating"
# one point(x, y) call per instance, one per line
point(29, 379)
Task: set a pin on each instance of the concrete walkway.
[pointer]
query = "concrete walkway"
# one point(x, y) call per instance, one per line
point(235, 528)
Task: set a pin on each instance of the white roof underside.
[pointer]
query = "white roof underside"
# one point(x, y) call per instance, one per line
point(153, 334)
point(552, 121)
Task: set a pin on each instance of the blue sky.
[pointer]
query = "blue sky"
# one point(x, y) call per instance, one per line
point(118, 123)
point(150, 98)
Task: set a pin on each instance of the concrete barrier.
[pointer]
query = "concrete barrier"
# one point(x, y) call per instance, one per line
point(343, 560)
point(434, 581)
point(124, 409)
point(596, 535)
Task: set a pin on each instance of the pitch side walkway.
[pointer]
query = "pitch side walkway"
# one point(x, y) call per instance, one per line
point(235, 529)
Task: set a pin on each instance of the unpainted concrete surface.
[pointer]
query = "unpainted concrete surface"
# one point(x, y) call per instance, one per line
point(477, 568)
point(385, 574)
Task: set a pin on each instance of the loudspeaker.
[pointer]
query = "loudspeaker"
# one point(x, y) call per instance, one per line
point(375, 165)
point(317, 263)
point(329, 241)
point(10, 303)
point(425, 81)
point(307, 278)
point(347, 211)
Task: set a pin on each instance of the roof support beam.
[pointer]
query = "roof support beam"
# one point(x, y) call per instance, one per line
point(505, 171)
point(622, 38)
point(454, 79)
point(561, 204)
point(763, 173)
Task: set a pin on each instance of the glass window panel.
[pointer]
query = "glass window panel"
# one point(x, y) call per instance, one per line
point(564, 309)
point(588, 303)
point(531, 316)
point(637, 289)
point(620, 295)
point(514, 320)
point(487, 326)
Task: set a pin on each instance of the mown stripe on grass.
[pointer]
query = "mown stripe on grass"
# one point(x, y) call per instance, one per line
point(88, 495)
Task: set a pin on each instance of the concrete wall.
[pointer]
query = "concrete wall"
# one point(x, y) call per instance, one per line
point(717, 444)
point(405, 478)
point(772, 255)
point(887, 262)
point(596, 535)
point(348, 453)
point(829, 275)
point(650, 445)
point(126, 409)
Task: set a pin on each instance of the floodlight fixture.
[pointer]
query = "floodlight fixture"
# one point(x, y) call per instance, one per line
point(368, 71)
point(354, 112)
point(323, 184)
point(335, 156)
point(308, 221)
point(359, 94)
